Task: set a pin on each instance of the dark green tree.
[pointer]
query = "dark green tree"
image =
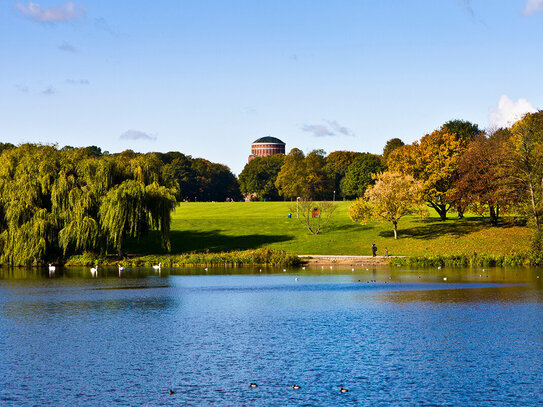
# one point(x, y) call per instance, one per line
point(359, 175)
point(259, 175)
point(215, 182)
point(463, 130)
point(336, 166)
point(390, 146)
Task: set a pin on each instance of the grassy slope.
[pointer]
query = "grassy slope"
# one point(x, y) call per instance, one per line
point(225, 226)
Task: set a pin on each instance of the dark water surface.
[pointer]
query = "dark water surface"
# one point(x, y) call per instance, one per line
point(410, 338)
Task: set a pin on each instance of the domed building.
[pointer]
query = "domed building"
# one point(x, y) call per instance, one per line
point(266, 146)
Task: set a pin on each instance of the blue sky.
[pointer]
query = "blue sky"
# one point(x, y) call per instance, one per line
point(208, 77)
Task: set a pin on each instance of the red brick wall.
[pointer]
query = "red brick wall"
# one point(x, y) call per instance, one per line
point(263, 150)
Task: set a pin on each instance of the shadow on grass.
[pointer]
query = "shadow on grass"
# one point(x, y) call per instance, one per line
point(350, 227)
point(434, 228)
point(192, 241)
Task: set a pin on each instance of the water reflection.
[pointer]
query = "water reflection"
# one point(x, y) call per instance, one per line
point(392, 336)
point(465, 293)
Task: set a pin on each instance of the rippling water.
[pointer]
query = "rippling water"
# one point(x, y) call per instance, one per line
point(409, 338)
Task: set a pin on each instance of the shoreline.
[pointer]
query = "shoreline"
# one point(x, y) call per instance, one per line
point(279, 258)
point(345, 260)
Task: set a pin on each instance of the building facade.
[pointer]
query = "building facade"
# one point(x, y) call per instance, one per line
point(266, 146)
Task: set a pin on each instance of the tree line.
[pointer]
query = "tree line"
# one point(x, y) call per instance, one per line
point(58, 202)
point(455, 168)
point(345, 174)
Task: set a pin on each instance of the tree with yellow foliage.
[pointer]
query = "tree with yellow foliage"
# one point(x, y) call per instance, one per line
point(525, 161)
point(393, 196)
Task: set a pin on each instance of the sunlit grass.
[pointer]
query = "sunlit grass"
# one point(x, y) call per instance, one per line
point(225, 226)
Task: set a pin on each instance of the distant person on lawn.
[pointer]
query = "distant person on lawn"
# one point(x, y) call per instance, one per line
point(374, 249)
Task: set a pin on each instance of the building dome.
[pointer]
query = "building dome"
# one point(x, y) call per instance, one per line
point(266, 146)
point(268, 140)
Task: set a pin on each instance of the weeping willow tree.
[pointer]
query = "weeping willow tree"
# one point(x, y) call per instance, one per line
point(75, 198)
point(28, 227)
point(131, 209)
point(58, 202)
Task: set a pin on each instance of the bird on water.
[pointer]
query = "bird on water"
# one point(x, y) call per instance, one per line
point(342, 390)
point(171, 392)
point(51, 267)
point(296, 387)
point(253, 385)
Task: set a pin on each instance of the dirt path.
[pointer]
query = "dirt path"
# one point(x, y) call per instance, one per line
point(318, 259)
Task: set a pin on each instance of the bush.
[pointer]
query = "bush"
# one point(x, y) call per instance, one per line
point(536, 252)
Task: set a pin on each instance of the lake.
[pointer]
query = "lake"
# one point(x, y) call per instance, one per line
point(390, 336)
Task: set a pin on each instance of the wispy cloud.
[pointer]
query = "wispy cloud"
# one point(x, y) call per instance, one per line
point(467, 6)
point(318, 130)
point(48, 91)
point(338, 128)
point(533, 6)
point(331, 129)
point(509, 111)
point(67, 47)
point(102, 24)
point(22, 88)
point(66, 12)
point(137, 135)
point(78, 81)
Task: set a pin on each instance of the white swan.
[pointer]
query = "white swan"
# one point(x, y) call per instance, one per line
point(94, 271)
point(158, 266)
point(51, 267)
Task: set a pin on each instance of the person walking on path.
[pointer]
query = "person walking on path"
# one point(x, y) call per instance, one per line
point(374, 249)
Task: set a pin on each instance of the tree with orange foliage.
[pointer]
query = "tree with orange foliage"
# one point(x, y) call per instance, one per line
point(433, 161)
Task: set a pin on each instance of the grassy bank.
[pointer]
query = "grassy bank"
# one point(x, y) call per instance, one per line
point(223, 227)
point(258, 257)
point(474, 260)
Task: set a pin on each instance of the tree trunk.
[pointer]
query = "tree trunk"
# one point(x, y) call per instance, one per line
point(395, 229)
point(532, 199)
point(440, 209)
point(460, 211)
point(120, 247)
point(493, 215)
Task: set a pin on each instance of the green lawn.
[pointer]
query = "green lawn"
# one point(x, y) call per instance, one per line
point(226, 226)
